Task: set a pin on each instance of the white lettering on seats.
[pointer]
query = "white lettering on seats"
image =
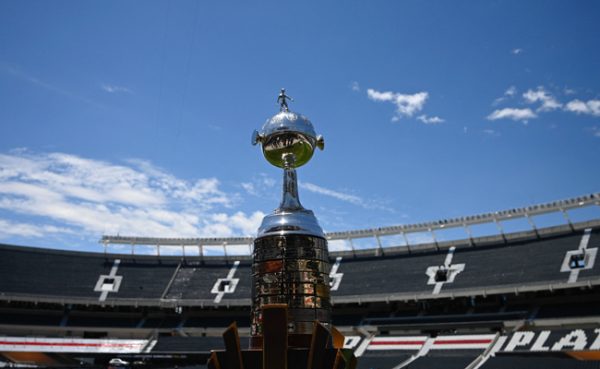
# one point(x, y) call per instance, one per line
point(576, 339)
point(519, 339)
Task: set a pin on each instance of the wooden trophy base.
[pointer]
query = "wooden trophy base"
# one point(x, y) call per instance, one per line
point(323, 349)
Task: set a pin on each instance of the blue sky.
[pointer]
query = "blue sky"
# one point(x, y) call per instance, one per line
point(135, 117)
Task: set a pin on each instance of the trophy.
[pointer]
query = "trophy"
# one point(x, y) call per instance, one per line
point(291, 304)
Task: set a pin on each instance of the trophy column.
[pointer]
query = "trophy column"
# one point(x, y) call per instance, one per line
point(291, 266)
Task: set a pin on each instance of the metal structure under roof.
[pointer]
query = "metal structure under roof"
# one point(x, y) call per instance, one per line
point(560, 206)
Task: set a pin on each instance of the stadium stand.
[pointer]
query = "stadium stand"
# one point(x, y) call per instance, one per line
point(523, 299)
point(75, 275)
point(528, 362)
point(448, 359)
point(382, 360)
point(173, 344)
point(147, 280)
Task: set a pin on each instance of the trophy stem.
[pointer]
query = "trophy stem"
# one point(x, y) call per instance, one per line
point(290, 199)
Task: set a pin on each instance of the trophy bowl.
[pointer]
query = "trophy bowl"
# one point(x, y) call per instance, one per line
point(288, 140)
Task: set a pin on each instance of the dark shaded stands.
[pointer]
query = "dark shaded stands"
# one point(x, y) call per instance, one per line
point(459, 359)
point(528, 362)
point(507, 282)
point(448, 359)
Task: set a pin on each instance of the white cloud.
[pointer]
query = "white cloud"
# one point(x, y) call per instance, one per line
point(331, 193)
point(516, 51)
point(430, 120)
point(491, 132)
point(590, 107)
point(249, 187)
point(548, 102)
point(94, 197)
point(595, 130)
point(355, 86)
point(339, 245)
point(225, 225)
point(406, 104)
point(510, 92)
point(342, 196)
point(8, 229)
point(261, 185)
point(22, 75)
point(512, 113)
point(113, 89)
point(203, 191)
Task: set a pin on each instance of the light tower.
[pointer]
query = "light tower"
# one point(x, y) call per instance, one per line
point(291, 303)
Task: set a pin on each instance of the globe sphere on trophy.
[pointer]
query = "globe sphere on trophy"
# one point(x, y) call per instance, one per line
point(288, 139)
point(291, 303)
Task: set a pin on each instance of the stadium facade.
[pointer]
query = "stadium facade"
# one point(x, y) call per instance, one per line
point(512, 298)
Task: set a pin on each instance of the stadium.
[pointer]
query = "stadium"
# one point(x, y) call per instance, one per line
point(452, 222)
point(469, 292)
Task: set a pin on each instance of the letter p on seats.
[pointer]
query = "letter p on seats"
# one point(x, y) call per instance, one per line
point(519, 339)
